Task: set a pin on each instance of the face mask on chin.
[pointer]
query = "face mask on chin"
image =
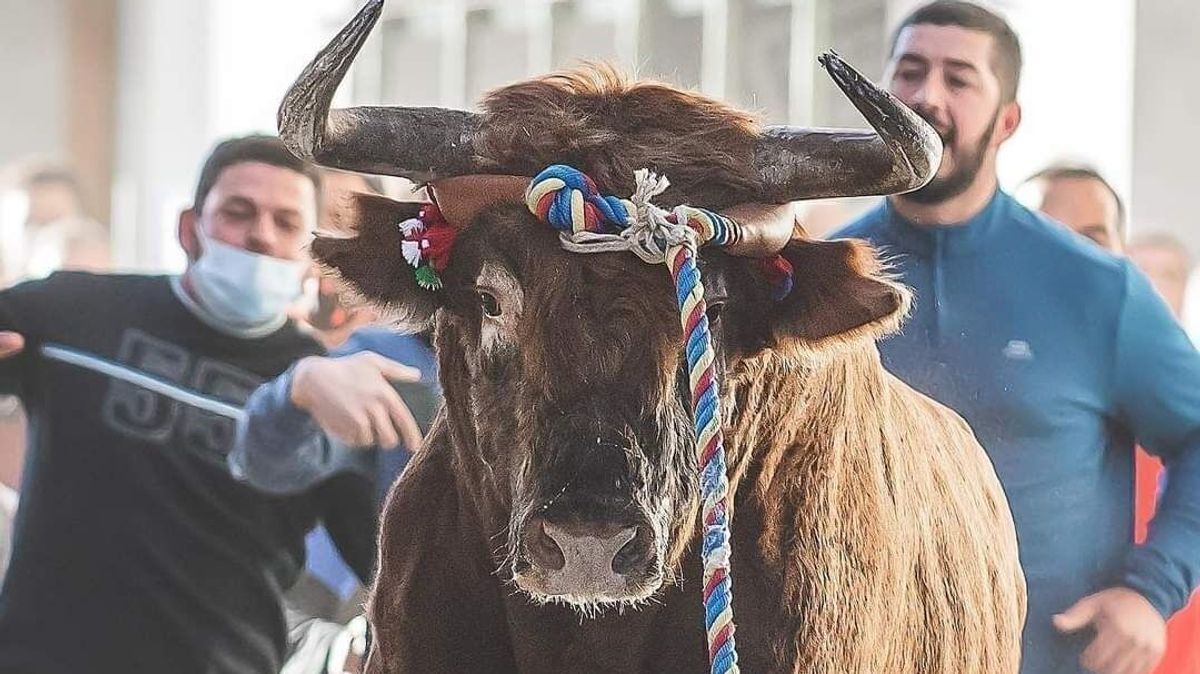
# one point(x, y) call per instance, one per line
point(242, 289)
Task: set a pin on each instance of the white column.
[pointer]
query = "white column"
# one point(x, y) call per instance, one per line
point(162, 126)
point(715, 47)
point(807, 36)
point(1166, 142)
point(1167, 119)
point(33, 77)
point(189, 75)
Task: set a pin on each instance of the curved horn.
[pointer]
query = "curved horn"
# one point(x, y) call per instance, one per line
point(416, 143)
point(902, 154)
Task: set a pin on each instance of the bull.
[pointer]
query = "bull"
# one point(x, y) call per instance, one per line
point(550, 523)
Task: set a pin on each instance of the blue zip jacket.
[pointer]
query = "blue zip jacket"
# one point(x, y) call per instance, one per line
point(1060, 356)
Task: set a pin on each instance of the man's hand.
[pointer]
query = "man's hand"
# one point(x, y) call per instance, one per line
point(11, 344)
point(351, 398)
point(1130, 634)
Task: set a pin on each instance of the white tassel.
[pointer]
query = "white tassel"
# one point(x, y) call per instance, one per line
point(412, 252)
point(412, 225)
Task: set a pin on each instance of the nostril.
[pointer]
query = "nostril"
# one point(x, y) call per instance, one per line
point(631, 556)
point(542, 549)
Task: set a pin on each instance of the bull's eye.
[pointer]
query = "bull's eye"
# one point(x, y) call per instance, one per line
point(489, 304)
point(715, 309)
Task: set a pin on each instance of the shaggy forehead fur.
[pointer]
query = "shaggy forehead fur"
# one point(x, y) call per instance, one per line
point(589, 319)
point(602, 123)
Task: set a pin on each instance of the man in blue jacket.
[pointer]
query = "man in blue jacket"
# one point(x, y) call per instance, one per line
point(361, 411)
point(1058, 354)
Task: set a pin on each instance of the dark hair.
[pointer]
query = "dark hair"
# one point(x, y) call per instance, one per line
point(1006, 47)
point(1081, 172)
point(261, 149)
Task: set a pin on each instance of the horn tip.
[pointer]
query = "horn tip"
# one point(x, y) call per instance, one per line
point(842, 73)
point(366, 18)
point(830, 58)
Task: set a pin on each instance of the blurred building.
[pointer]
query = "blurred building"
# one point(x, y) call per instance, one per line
point(133, 92)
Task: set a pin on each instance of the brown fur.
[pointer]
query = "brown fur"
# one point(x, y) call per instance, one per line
point(873, 531)
point(608, 126)
point(870, 534)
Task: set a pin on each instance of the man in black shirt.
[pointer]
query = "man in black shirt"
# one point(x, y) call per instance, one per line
point(135, 548)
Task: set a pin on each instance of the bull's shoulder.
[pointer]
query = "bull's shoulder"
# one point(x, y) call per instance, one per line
point(435, 583)
point(936, 442)
point(921, 417)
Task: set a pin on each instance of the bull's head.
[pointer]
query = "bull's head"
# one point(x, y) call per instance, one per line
point(564, 374)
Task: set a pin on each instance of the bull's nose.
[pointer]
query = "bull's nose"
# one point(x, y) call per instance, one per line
point(581, 558)
point(542, 550)
point(591, 551)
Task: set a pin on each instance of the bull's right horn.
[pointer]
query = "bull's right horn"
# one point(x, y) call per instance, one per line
point(420, 144)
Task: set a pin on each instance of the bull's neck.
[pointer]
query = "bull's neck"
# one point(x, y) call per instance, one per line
point(797, 429)
point(780, 406)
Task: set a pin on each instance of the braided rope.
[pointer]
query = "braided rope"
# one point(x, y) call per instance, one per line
point(589, 222)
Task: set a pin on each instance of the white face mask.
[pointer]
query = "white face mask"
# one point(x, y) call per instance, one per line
point(242, 288)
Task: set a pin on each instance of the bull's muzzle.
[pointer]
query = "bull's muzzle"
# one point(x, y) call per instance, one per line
point(587, 561)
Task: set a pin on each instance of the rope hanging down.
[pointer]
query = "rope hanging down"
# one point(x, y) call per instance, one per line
point(590, 223)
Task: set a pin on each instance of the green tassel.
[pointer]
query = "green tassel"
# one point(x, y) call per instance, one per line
point(427, 278)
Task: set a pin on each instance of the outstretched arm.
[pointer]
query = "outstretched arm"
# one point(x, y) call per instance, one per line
point(299, 428)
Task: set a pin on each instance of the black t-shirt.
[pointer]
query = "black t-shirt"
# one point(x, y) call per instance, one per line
point(135, 549)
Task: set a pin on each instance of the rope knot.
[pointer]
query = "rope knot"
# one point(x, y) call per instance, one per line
point(590, 222)
point(569, 201)
point(654, 230)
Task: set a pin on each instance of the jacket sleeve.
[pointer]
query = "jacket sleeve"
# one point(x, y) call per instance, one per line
point(280, 449)
point(23, 309)
point(1157, 389)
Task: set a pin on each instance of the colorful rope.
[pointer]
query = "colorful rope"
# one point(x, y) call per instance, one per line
point(568, 201)
point(710, 444)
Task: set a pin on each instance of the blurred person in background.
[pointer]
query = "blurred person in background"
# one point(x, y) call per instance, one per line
point(58, 234)
point(1168, 264)
point(1082, 200)
point(303, 426)
point(325, 311)
point(355, 412)
point(297, 425)
point(55, 234)
point(136, 549)
point(1057, 354)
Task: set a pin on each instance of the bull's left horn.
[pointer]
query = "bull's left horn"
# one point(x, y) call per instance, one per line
point(902, 154)
point(417, 143)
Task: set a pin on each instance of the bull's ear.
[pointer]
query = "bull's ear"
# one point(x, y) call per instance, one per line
point(839, 294)
point(364, 250)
